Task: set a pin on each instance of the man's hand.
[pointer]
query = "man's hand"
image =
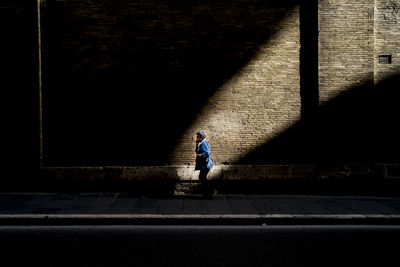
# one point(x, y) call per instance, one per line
point(198, 155)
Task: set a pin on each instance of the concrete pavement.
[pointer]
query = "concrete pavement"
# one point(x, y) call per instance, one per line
point(226, 209)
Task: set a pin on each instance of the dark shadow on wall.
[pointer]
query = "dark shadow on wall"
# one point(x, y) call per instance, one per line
point(359, 126)
point(308, 57)
point(19, 100)
point(124, 79)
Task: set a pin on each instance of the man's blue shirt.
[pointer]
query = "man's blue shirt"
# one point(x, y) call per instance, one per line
point(205, 161)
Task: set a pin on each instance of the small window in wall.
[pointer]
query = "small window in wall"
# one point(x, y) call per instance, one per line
point(385, 59)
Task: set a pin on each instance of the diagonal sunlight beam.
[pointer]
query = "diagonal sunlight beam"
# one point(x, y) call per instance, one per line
point(256, 104)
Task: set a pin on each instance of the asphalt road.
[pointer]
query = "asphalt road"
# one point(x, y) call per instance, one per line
point(310, 245)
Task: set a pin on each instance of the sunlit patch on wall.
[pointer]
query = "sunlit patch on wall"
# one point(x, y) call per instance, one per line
point(260, 101)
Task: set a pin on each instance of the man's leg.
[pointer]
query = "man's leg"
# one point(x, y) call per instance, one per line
point(205, 190)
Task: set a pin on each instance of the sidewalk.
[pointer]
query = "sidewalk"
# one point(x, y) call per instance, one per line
point(124, 208)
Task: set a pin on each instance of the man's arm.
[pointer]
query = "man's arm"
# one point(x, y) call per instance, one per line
point(205, 150)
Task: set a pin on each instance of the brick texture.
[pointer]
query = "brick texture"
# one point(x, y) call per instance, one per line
point(387, 41)
point(257, 103)
point(346, 46)
point(128, 83)
point(387, 78)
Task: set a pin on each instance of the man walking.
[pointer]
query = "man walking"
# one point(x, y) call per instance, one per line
point(204, 163)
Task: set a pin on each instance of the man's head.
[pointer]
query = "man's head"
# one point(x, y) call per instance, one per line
point(200, 135)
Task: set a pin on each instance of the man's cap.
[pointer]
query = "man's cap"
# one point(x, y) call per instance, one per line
point(201, 133)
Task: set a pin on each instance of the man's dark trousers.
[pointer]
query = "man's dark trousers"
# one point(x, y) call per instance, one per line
point(205, 184)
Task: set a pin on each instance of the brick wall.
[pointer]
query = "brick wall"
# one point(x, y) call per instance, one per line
point(19, 101)
point(346, 46)
point(387, 79)
point(257, 103)
point(129, 83)
point(387, 41)
point(358, 80)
